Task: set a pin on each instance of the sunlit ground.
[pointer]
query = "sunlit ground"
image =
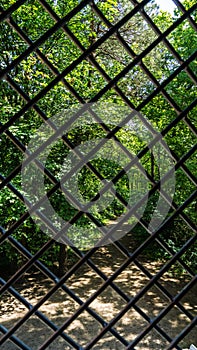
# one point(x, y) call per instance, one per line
point(108, 304)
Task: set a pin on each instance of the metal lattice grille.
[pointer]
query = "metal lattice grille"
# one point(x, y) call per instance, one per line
point(96, 260)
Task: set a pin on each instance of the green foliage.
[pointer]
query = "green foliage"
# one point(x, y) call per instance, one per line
point(31, 76)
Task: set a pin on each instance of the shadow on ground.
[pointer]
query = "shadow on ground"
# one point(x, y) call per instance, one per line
point(84, 283)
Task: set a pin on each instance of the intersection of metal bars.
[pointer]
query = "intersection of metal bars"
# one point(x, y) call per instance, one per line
point(85, 258)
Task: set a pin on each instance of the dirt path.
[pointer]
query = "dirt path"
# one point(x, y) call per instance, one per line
point(108, 304)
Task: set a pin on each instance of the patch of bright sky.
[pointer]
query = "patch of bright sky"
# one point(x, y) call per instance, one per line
point(166, 5)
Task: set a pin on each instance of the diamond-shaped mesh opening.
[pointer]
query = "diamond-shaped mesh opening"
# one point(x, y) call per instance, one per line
point(61, 10)
point(69, 52)
point(85, 71)
point(8, 52)
point(12, 102)
point(139, 40)
point(31, 70)
point(191, 37)
point(59, 91)
point(184, 147)
point(41, 20)
point(107, 56)
point(86, 26)
point(61, 288)
point(154, 60)
point(188, 87)
point(114, 14)
point(134, 91)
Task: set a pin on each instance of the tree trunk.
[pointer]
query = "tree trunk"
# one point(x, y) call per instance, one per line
point(62, 259)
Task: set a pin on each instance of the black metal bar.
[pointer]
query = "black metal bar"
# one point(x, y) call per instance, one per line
point(41, 316)
point(154, 235)
point(140, 154)
point(163, 313)
point(106, 283)
point(5, 14)
point(59, 24)
point(183, 334)
point(93, 47)
point(14, 339)
point(124, 310)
